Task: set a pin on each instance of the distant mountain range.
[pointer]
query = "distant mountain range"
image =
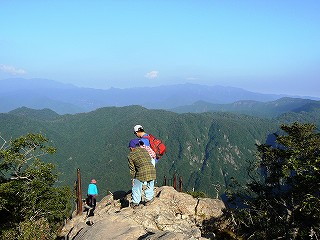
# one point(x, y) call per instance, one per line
point(66, 98)
point(254, 108)
point(210, 132)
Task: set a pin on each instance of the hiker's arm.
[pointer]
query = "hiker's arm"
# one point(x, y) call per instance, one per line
point(131, 168)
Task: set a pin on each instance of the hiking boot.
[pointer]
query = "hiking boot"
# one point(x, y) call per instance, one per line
point(134, 205)
point(147, 203)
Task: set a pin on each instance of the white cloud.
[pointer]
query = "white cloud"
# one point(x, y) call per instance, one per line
point(12, 70)
point(152, 74)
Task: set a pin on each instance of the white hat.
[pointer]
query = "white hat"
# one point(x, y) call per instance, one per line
point(137, 128)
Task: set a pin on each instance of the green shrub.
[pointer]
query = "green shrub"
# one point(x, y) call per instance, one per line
point(197, 194)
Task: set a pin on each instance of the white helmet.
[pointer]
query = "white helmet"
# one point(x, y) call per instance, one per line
point(137, 128)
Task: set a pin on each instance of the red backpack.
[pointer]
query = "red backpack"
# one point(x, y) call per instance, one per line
point(156, 145)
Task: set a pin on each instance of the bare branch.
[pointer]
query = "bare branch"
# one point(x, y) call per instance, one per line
point(4, 142)
point(19, 177)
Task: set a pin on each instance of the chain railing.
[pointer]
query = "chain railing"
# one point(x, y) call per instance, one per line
point(173, 182)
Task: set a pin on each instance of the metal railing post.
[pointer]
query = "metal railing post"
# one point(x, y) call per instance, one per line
point(180, 184)
point(79, 193)
point(165, 181)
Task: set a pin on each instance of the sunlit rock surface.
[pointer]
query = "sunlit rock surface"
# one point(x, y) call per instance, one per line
point(172, 215)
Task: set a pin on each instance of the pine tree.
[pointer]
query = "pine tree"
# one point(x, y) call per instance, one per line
point(284, 201)
point(31, 207)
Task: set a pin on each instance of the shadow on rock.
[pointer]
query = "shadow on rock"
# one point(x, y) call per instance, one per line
point(119, 195)
point(122, 196)
point(145, 236)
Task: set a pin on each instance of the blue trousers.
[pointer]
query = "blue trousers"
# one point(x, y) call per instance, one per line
point(137, 191)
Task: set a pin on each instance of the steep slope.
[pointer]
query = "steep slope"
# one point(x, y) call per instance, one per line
point(201, 148)
point(207, 150)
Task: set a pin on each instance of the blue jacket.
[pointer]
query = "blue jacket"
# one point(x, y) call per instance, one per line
point(92, 189)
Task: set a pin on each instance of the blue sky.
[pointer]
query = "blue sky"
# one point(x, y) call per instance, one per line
point(264, 46)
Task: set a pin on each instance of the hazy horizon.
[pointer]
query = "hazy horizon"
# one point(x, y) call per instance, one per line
point(164, 85)
point(267, 47)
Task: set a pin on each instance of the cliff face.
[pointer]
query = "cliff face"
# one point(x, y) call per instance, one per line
point(172, 215)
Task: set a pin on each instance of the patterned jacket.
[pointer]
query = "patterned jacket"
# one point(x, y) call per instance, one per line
point(140, 165)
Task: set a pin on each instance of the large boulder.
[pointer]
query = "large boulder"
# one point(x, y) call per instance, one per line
point(172, 215)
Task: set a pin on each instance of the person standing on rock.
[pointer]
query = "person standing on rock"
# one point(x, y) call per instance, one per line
point(142, 135)
point(141, 170)
point(92, 194)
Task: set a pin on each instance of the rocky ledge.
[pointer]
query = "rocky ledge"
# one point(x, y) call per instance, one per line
point(172, 215)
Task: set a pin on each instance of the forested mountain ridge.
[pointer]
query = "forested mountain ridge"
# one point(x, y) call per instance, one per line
point(269, 109)
point(205, 149)
point(43, 114)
